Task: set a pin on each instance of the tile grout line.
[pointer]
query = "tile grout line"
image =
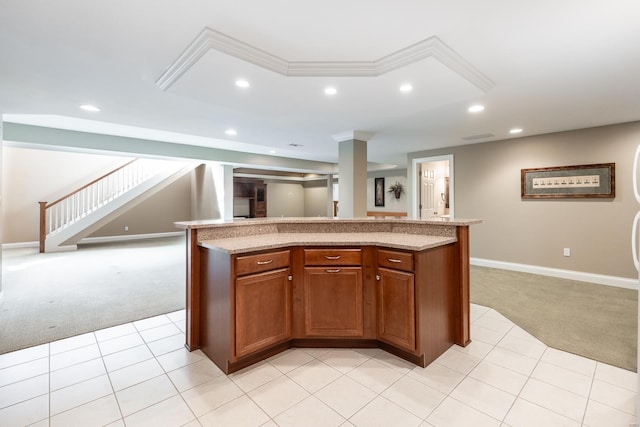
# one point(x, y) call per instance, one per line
point(115, 397)
point(49, 385)
point(343, 374)
point(593, 379)
point(502, 421)
point(164, 372)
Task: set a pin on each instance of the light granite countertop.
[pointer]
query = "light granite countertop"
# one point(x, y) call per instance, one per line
point(322, 220)
point(414, 242)
point(256, 234)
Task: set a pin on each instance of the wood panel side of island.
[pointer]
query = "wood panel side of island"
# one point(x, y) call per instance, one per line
point(217, 336)
point(369, 292)
point(192, 303)
point(463, 320)
point(437, 283)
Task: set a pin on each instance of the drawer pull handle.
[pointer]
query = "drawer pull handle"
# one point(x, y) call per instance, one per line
point(332, 257)
point(394, 260)
point(337, 270)
point(264, 262)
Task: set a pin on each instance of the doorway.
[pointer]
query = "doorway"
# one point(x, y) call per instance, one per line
point(433, 197)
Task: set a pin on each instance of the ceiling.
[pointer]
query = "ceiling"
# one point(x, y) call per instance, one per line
point(166, 70)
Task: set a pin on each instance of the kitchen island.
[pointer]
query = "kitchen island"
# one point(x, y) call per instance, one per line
point(258, 287)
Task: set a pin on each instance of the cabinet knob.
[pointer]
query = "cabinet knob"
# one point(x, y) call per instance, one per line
point(290, 277)
point(377, 277)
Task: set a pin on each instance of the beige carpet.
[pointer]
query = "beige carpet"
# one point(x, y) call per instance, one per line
point(51, 296)
point(595, 321)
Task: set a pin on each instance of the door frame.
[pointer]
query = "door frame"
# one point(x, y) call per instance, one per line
point(415, 197)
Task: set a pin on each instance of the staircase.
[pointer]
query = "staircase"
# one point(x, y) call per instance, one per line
point(78, 214)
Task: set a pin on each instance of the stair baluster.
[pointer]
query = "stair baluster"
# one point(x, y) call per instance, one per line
point(59, 214)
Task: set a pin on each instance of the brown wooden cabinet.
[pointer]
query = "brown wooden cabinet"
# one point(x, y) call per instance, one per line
point(262, 301)
point(262, 310)
point(258, 304)
point(261, 200)
point(333, 301)
point(396, 308)
point(255, 193)
point(333, 292)
point(244, 189)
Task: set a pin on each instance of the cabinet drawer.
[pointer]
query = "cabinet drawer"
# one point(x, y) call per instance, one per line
point(332, 256)
point(257, 263)
point(395, 259)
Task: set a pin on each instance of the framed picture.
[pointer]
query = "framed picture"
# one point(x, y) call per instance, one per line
point(584, 181)
point(378, 191)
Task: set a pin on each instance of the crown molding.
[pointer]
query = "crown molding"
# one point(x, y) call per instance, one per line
point(186, 60)
point(432, 47)
point(357, 135)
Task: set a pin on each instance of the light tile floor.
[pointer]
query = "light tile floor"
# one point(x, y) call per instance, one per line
point(139, 374)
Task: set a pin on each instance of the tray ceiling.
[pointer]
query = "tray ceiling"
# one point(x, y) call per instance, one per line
point(167, 71)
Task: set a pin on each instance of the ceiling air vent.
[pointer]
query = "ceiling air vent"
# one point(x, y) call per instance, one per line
point(476, 137)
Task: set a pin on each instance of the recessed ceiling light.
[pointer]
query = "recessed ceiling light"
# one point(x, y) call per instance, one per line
point(515, 130)
point(330, 90)
point(406, 88)
point(231, 132)
point(242, 83)
point(92, 108)
point(476, 108)
point(272, 151)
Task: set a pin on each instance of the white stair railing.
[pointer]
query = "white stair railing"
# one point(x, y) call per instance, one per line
point(58, 215)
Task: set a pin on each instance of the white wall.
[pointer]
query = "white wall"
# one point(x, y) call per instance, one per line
point(204, 197)
point(1, 198)
point(391, 204)
point(535, 232)
point(315, 198)
point(31, 176)
point(285, 199)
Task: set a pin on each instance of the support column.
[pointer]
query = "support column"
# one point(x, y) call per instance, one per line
point(205, 203)
point(228, 192)
point(352, 174)
point(1, 216)
point(330, 196)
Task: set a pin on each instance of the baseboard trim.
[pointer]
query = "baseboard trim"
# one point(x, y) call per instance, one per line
point(125, 237)
point(104, 239)
point(600, 279)
point(19, 245)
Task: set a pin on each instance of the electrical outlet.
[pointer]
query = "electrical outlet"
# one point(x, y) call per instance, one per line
point(126, 228)
point(567, 252)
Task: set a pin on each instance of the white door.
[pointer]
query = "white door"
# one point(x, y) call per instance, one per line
point(433, 188)
point(427, 192)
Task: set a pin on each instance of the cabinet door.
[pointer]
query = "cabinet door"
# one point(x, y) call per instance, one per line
point(333, 301)
point(396, 308)
point(263, 311)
